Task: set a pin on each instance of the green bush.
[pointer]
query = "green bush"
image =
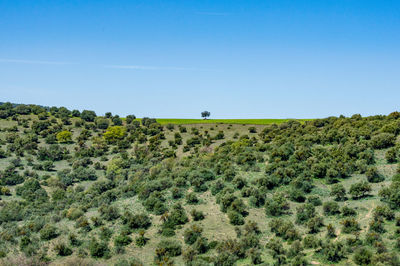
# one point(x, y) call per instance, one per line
point(276, 206)
point(338, 191)
point(331, 208)
point(347, 211)
point(383, 140)
point(235, 218)
point(333, 251)
point(32, 191)
point(136, 221)
point(192, 234)
point(122, 240)
point(359, 190)
point(373, 176)
point(168, 248)
point(197, 215)
point(362, 256)
point(62, 249)
point(391, 155)
point(304, 213)
point(350, 225)
point(98, 249)
point(191, 198)
point(48, 232)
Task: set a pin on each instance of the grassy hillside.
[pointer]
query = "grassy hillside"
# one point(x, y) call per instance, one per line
point(177, 121)
point(77, 189)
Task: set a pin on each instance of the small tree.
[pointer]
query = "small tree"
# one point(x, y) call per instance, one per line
point(205, 114)
point(338, 191)
point(114, 134)
point(130, 118)
point(360, 190)
point(64, 136)
point(88, 115)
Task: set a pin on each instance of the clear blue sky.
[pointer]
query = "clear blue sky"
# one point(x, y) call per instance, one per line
point(236, 59)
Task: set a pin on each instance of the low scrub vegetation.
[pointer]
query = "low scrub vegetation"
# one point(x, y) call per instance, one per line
point(81, 189)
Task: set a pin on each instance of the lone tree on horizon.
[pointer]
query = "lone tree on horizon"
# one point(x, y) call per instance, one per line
point(205, 114)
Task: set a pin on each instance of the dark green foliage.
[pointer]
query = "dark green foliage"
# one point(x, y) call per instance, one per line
point(382, 140)
point(373, 176)
point(48, 232)
point(235, 217)
point(98, 249)
point(276, 247)
point(197, 215)
point(122, 240)
point(331, 208)
point(349, 225)
point(109, 213)
point(314, 200)
point(391, 194)
point(191, 198)
point(362, 256)
point(136, 221)
point(314, 224)
point(330, 231)
point(88, 116)
point(192, 234)
point(10, 177)
point(102, 123)
point(383, 212)
point(376, 225)
point(31, 191)
point(62, 249)
point(391, 155)
point(347, 211)
point(284, 229)
point(176, 217)
point(304, 213)
point(168, 248)
point(338, 191)
point(141, 240)
point(129, 262)
point(276, 206)
point(333, 251)
point(359, 190)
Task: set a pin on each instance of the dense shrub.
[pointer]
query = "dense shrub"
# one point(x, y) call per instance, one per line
point(359, 190)
point(331, 208)
point(338, 191)
point(62, 249)
point(168, 248)
point(304, 213)
point(48, 232)
point(98, 249)
point(333, 251)
point(383, 140)
point(362, 256)
point(197, 215)
point(391, 195)
point(373, 176)
point(31, 191)
point(284, 229)
point(136, 221)
point(277, 205)
point(192, 234)
point(350, 225)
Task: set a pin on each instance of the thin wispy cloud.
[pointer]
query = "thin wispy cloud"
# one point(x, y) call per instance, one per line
point(33, 62)
point(212, 13)
point(132, 67)
point(140, 67)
